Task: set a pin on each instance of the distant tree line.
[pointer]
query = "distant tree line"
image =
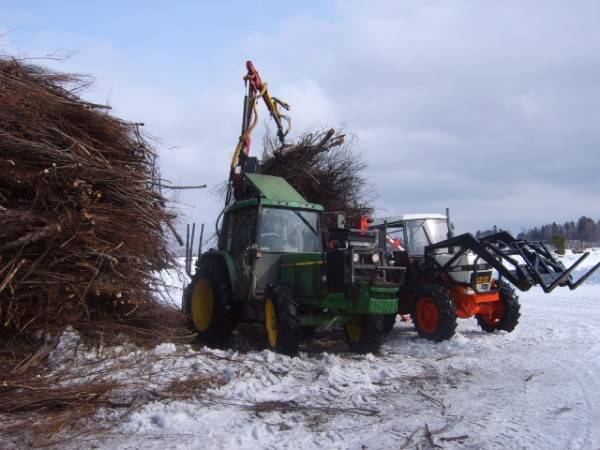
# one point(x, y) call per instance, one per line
point(584, 230)
point(483, 233)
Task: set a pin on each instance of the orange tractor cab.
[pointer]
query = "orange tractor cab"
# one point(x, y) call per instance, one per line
point(449, 277)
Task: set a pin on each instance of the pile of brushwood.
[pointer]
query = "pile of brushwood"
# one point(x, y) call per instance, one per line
point(83, 226)
point(324, 168)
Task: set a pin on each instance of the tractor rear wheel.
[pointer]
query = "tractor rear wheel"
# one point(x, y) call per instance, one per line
point(282, 324)
point(365, 334)
point(510, 311)
point(434, 313)
point(389, 321)
point(208, 300)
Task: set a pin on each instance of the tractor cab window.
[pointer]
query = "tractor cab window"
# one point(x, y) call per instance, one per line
point(242, 230)
point(289, 231)
point(394, 241)
point(422, 232)
point(238, 232)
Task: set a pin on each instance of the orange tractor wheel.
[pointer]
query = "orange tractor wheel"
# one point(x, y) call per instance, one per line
point(506, 316)
point(428, 314)
point(434, 313)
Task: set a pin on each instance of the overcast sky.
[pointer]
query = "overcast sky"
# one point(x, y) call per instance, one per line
point(489, 108)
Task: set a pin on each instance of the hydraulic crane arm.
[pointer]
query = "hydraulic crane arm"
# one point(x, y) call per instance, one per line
point(256, 88)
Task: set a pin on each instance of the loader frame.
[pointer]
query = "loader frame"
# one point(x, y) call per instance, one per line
point(502, 251)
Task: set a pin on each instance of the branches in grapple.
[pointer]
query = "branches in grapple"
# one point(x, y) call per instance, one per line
point(324, 168)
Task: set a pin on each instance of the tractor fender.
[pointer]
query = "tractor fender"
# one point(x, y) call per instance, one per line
point(227, 260)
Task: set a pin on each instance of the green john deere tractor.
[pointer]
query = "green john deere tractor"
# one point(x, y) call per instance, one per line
point(271, 267)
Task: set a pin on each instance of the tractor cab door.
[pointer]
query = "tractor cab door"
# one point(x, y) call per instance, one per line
point(240, 243)
point(395, 247)
point(396, 252)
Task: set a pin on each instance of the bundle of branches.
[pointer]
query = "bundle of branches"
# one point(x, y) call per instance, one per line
point(323, 167)
point(82, 224)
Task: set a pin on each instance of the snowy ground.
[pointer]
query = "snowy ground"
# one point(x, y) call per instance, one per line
point(537, 387)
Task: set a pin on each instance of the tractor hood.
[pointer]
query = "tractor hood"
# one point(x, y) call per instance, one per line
point(463, 268)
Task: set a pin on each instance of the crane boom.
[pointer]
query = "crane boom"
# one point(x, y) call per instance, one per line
point(256, 88)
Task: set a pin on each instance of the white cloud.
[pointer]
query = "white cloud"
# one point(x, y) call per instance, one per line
point(490, 108)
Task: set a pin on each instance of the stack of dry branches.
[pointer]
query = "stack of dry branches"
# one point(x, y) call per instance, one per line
point(323, 167)
point(82, 224)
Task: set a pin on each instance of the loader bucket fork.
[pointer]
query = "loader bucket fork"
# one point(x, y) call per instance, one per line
point(537, 265)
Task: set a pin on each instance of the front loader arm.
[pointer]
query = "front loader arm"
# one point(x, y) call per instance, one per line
point(489, 254)
point(522, 263)
point(548, 272)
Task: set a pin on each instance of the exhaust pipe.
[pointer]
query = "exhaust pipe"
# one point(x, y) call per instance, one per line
point(450, 233)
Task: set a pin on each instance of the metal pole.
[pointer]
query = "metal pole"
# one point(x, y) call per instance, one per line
point(450, 234)
point(245, 114)
point(200, 240)
point(192, 246)
point(180, 188)
point(187, 246)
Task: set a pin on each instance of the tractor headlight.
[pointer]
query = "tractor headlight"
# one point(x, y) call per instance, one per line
point(375, 258)
point(356, 258)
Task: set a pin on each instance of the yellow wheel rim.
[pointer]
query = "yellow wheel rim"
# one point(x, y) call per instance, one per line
point(271, 322)
point(354, 330)
point(203, 304)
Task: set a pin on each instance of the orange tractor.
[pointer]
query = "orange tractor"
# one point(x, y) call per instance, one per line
point(447, 277)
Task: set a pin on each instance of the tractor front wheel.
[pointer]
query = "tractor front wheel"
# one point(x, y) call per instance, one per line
point(508, 315)
point(282, 325)
point(365, 334)
point(208, 301)
point(434, 313)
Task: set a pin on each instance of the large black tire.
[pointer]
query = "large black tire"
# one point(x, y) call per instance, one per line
point(511, 311)
point(434, 313)
point(366, 334)
point(389, 321)
point(282, 325)
point(208, 301)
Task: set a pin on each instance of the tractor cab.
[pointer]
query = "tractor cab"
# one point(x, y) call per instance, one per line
point(409, 236)
point(269, 231)
point(411, 233)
